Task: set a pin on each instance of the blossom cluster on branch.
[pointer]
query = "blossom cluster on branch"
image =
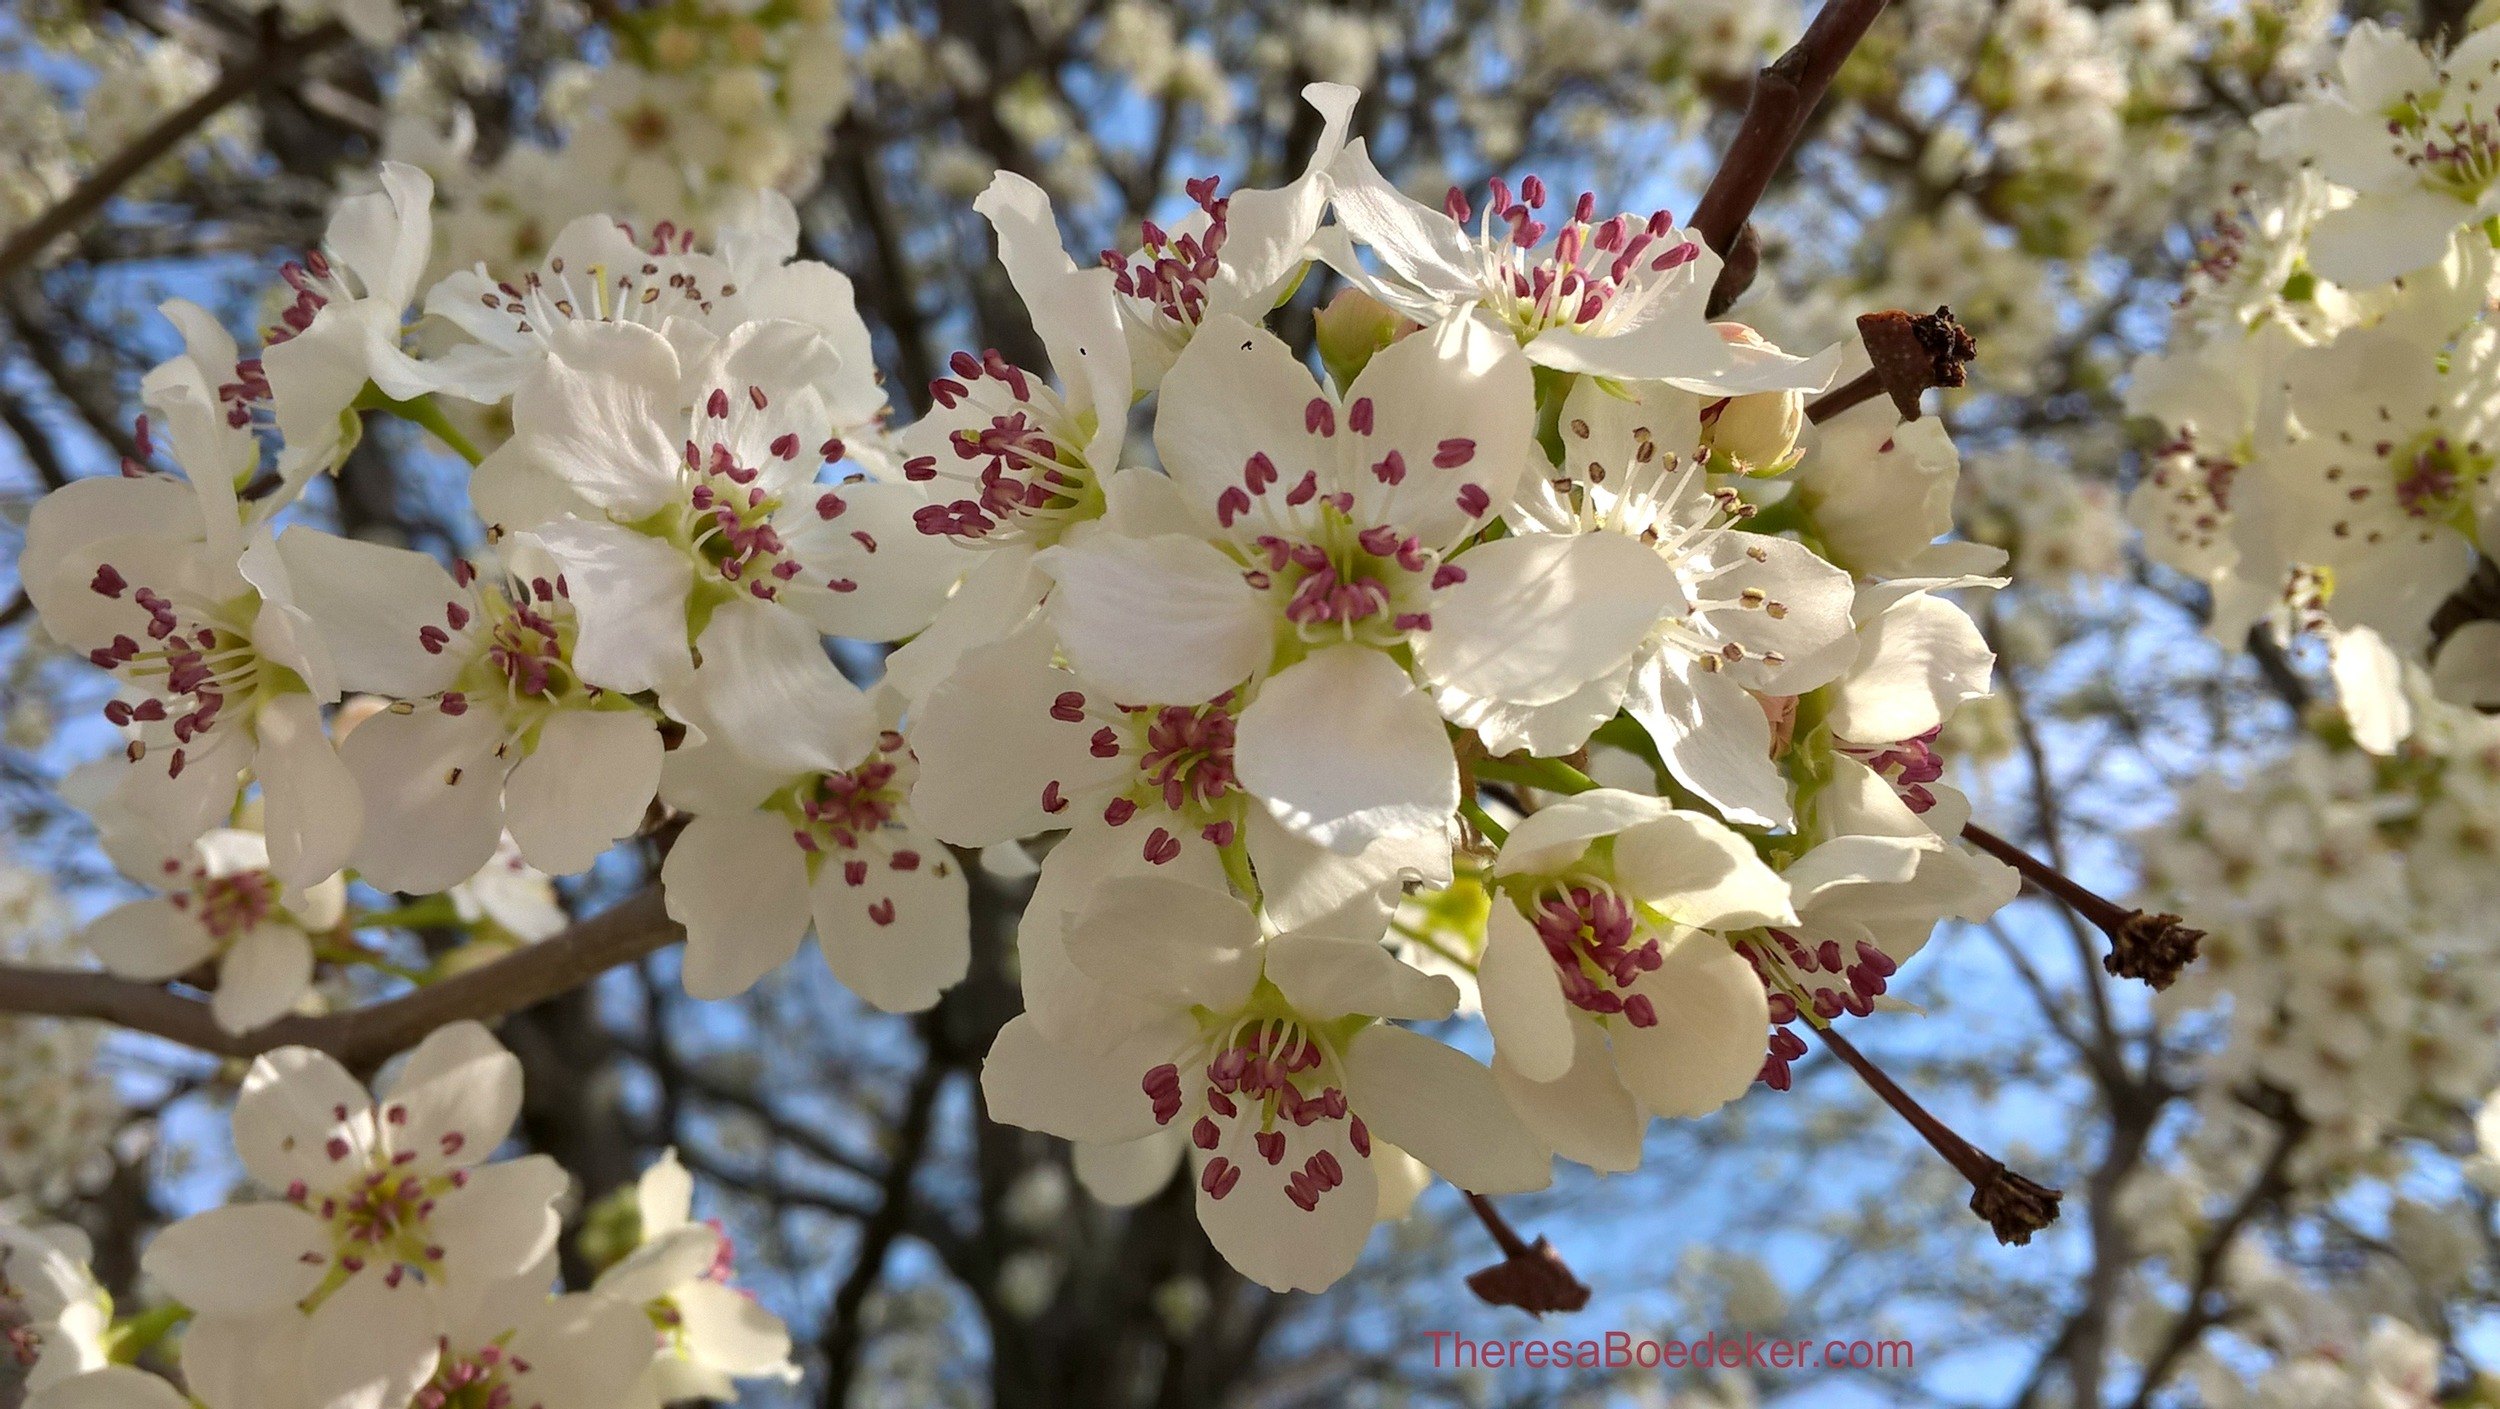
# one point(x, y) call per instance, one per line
point(1543, 540)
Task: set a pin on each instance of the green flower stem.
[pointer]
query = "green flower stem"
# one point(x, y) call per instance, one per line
point(132, 1336)
point(1547, 774)
point(426, 415)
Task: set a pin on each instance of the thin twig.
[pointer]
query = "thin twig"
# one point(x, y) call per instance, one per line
point(842, 1338)
point(359, 1037)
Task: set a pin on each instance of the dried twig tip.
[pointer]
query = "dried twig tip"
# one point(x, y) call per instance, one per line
point(1914, 351)
point(2014, 1207)
point(1534, 1279)
point(2152, 947)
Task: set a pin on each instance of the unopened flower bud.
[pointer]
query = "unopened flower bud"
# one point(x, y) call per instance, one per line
point(1352, 327)
point(1754, 434)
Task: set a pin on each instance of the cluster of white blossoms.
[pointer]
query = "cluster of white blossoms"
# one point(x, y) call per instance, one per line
point(695, 107)
point(1251, 689)
point(2326, 400)
point(47, 142)
point(2341, 1011)
point(393, 1265)
point(56, 1118)
point(2347, 901)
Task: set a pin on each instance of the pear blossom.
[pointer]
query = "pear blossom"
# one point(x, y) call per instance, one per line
point(342, 330)
point(1012, 745)
point(1612, 917)
point(224, 672)
point(2411, 134)
point(54, 1312)
point(597, 270)
point(1268, 1052)
point(1030, 463)
point(663, 491)
point(389, 1219)
point(220, 902)
point(711, 1335)
point(1738, 615)
point(1880, 491)
point(1313, 547)
point(491, 727)
point(773, 848)
point(1236, 255)
point(1622, 297)
point(2391, 482)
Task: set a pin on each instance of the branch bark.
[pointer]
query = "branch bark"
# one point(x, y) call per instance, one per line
point(276, 60)
point(1784, 95)
point(362, 1037)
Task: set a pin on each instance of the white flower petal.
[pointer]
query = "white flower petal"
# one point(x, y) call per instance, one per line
point(1585, 1114)
point(1543, 614)
point(1133, 1171)
point(112, 1387)
point(286, 1119)
point(1264, 1234)
point(502, 1221)
point(1458, 395)
point(738, 883)
point(1437, 1104)
point(454, 1101)
point(871, 574)
point(587, 784)
point(629, 597)
point(226, 1360)
point(241, 1260)
point(895, 928)
point(731, 1331)
point(149, 940)
point(994, 738)
point(1917, 662)
point(371, 1344)
point(1163, 620)
point(1523, 998)
point(1698, 871)
point(1712, 1032)
point(768, 690)
point(369, 602)
point(262, 977)
point(1325, 979)
point(1713, 736)
point(1345, 750)
point(310, 808)
point(1030, 1081)
point(1305, 886)
point(601, 416)
point(1168, 942)
point(433, 792)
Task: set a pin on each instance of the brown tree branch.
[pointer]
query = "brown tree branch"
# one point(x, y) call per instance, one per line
point(1784, 95)
point(360, 1037)
point(276, 60)
point(2273, 1181)
point(843, 1336)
